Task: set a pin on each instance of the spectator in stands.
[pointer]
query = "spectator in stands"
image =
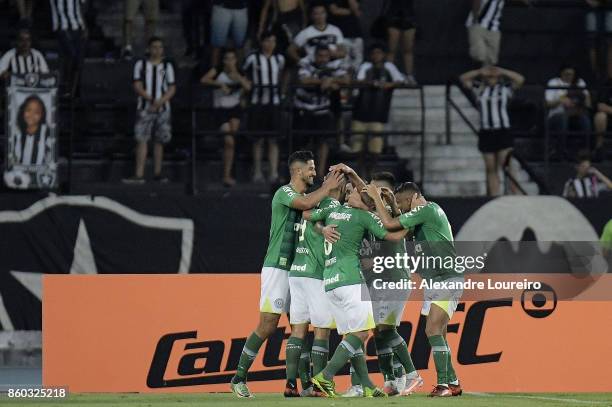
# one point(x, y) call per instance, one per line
point(372, 105)
point(493, 87)
point(68, 22)
point(401, 25)
point(228, 15)
point(598, 26)
point(23, 58)
point(320, 76)
point(346, 15)
point(264, 67)
point(285, 18)
point(151, 15)
point(567, 106)
point(230, 84)
point(154, 83)
point(32, 144)
point(602, 124)
point(588, 182)
point(484, 33)
point(319, 34)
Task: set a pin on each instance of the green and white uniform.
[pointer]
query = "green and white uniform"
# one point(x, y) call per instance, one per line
point(388, 304)
point(433, 238)
point(308, 300)
point(343, 280)
point(281, 250)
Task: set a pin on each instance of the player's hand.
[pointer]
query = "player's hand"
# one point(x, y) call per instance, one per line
point(330, 233)
point(333, 181)
point(387, 195)
point(342, 168)
point(225, 89)
point(371, 190)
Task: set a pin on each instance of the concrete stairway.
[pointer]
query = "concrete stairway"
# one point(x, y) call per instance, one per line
point(450, 170)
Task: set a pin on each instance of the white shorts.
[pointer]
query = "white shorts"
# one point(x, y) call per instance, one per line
point(389, 312)
point(274, 297)
point(445, 299)
point(309, 303)
point(350, 310)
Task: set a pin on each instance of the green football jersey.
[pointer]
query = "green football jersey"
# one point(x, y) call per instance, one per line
point(433, 238)
point(309, 260)
point(342, 266)
point(283, 227)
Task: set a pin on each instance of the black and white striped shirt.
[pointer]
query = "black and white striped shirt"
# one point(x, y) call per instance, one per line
point(67, 15)
point(33, 149)
point(493, 105)
point(585, 187)
point(156, 80)
point(490, 15)
point(313, 99)
point(21, 64)
point(263, 70)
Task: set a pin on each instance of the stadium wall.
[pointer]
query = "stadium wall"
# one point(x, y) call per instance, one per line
point(212, 234)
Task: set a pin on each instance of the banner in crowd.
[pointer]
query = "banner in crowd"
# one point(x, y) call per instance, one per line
point(129, 233)
point(185, 333)
point(31, 128)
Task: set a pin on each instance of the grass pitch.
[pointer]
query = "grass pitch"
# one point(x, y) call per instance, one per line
point(277, 400)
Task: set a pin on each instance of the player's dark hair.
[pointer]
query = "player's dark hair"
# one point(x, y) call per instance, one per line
point(155, 38)
point(20, 115)
point(384, 176)
point(300, 156)
point(408, 187)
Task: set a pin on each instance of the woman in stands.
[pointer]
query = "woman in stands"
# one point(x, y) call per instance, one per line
point(493, 87)
point(227, 99)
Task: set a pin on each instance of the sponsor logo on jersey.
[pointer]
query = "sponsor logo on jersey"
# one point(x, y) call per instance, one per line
point(295, 267)
point(302, 250)
point(331, 261)
point(332, 280)
point(340, 216)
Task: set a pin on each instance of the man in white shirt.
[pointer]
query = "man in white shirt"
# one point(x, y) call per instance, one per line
point(319, 34)
point(568, 101)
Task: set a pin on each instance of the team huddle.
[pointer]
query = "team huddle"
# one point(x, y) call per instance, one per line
point(318, 270)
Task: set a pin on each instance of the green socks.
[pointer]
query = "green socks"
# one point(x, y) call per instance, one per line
point(391, 339)
point(385, 357)
point(319, 354)
point(355, 381)
point(398, 369)
point(249, 352)
point(292, 357)
point(347, 348)
point(452, 376)
point(441, 356)
point(361, 369)
point(304, 365)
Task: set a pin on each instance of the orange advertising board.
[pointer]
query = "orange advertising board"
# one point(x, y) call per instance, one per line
point(184, 333)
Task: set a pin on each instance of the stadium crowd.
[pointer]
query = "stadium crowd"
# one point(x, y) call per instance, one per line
point(253, 50)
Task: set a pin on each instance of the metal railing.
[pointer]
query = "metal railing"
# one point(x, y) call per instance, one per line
point(197, 130)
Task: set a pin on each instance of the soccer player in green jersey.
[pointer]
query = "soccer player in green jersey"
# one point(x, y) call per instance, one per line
point(345, 289)
point(309, 305)
point(433, 236)
point(287, 204)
